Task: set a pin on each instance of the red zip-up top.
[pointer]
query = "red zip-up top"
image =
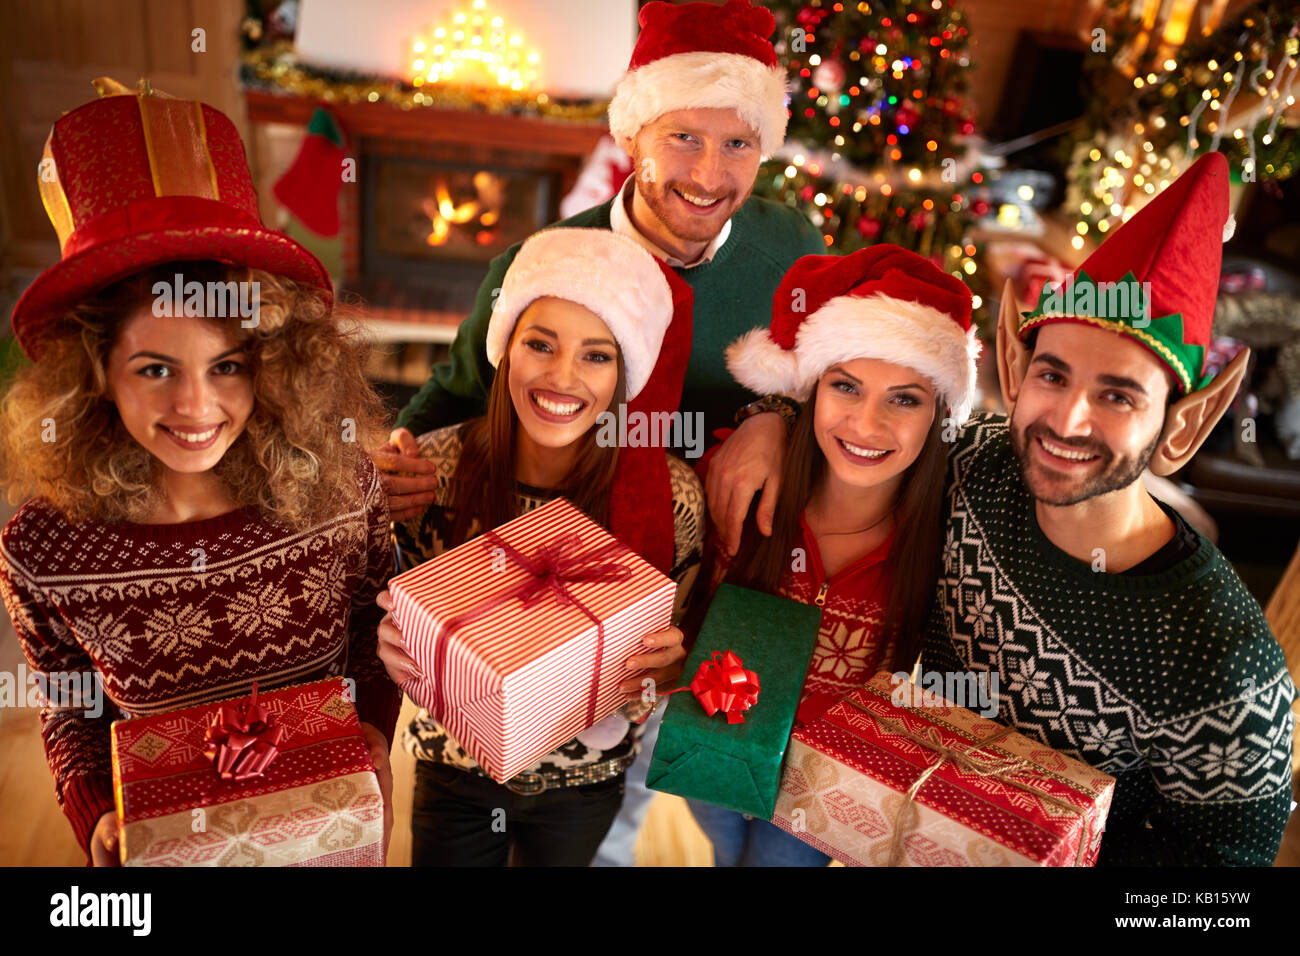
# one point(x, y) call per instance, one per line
point(850, 646)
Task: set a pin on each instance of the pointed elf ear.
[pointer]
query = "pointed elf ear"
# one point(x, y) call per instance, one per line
point(1191, 419)
point(1013, 356)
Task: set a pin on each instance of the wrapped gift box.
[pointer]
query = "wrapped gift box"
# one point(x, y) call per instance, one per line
point(1011, 802)
point(522, 634)
point(316, 803)
point(738, 765)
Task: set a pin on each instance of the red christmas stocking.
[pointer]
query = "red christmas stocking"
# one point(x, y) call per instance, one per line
point(310, 187)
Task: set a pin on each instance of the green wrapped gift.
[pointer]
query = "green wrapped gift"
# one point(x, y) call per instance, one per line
point(737, 765)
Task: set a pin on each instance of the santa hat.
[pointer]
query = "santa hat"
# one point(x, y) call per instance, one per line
point(648, 310)
point(698, 56)
point(1174, 243)
point(881, 302)
point(137, 179)
point(611, 275)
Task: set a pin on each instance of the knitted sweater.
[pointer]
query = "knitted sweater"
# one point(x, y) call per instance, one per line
point(733, 294)
point(850, 646)
point(1171, 682)
point(176, 615)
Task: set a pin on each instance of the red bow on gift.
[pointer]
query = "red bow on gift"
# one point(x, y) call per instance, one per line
point(723, 684)
point(243, 738)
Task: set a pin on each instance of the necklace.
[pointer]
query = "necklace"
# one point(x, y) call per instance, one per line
point(856, 531)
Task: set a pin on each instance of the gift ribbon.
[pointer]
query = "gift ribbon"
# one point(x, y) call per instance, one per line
point(243, 738)
point(552, 568)
point(964, 757)
point(723, 684)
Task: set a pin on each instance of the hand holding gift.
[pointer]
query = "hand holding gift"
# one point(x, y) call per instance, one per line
point(103, 841)
point(520, 638)
point(662, 657)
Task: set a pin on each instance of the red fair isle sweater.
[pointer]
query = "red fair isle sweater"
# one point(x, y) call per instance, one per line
point(182, 614)
point(850, 646)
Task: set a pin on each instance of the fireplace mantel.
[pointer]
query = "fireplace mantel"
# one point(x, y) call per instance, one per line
point(427, 124)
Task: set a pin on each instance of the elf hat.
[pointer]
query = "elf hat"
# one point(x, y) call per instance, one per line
point(696, 56)
point(607, 273)
point(1160, 272)
point(137, 179)
point(881, 302)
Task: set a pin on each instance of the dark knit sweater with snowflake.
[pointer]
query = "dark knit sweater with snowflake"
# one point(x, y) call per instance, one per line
point(1171, 682)
point(175, 615)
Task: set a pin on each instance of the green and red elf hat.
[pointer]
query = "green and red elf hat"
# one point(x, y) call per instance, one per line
point(1156, 278)
point(136, 179)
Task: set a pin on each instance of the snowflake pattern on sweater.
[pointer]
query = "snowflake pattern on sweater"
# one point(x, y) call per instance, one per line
point(172, 616)
point(1171, 682)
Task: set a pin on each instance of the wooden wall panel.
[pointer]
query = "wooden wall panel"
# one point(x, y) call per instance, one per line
point(51, 52)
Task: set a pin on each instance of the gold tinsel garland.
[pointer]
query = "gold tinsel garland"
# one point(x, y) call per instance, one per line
point(274, 67)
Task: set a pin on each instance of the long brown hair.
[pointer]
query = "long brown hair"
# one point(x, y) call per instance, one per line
point(483, 485)
point(913, 561)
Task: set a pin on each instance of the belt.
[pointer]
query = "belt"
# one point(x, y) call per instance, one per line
point(529, 784)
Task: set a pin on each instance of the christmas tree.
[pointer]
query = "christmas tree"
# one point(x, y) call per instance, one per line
point(879, 120)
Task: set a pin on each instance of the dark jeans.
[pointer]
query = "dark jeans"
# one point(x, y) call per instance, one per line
point(462, 819)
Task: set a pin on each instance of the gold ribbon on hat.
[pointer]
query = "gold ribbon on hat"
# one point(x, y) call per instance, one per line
point(176, 142)
point(965, 759)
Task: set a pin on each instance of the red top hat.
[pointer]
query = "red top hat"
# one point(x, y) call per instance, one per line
point(136, 179)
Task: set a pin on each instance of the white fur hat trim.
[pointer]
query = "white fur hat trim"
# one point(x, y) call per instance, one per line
point(607, 273)
point(699, 80)
point(849, 327)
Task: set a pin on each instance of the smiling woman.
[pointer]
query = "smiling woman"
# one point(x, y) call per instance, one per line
point(121, 372)
point(201, 515)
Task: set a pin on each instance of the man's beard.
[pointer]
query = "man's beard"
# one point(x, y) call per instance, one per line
point(681, 224)
point(1115, 474)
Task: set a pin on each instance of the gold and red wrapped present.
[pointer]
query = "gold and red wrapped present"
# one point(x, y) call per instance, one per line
point(872, 783)
point(276, 778)
point(522, 634)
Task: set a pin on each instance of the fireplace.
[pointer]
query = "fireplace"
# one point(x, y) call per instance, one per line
point(432, 218)
point(439, 194)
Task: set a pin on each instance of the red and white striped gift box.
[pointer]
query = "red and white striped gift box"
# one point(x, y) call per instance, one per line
point(517, 680)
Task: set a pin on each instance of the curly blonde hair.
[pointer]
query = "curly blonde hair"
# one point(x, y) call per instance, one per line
point(298, 459)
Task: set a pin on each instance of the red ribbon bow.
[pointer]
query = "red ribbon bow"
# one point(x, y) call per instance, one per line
point(723, 684)
point(243, 738)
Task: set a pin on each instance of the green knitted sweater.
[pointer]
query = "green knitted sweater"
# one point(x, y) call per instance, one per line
point(733, 294)
point(1170, 682)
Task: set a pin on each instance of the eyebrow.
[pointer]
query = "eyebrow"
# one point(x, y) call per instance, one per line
point(176, 361)
point(546, 331)
point(892, 388)
point(1115, 381)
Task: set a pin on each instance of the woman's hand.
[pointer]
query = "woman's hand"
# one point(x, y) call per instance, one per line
point(401, 667)
point(663, 655)
point(750, 460)
point(378, 744)
point(407, 496)
point(103, 841)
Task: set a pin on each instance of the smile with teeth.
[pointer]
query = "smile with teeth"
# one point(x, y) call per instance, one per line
point(696, 200)
point(194, 437)
point(557, 408)
point(1062, 452)
point(862, 452)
